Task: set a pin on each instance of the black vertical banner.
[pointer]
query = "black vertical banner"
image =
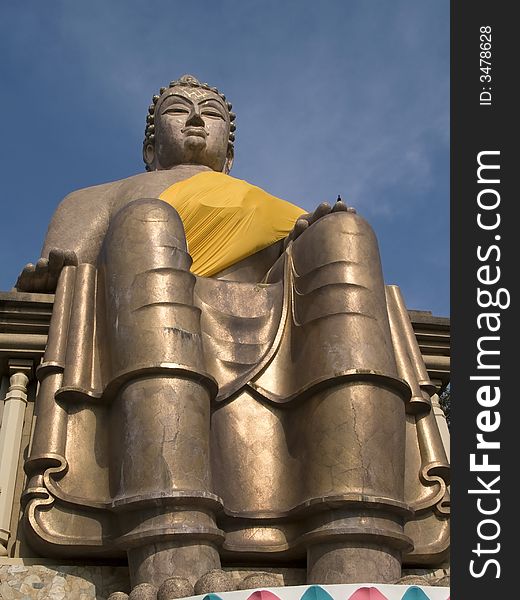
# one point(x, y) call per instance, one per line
point(485, 248)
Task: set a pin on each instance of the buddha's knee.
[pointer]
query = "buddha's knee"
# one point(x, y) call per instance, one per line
point(341, 237)
point(144, 219)
point(146, 233)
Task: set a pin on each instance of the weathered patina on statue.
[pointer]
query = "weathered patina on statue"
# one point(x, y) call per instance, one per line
point(275, 411)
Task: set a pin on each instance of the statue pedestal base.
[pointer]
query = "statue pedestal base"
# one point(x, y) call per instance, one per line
point(36, 579)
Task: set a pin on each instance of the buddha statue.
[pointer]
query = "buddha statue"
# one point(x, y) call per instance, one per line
point(227, 379)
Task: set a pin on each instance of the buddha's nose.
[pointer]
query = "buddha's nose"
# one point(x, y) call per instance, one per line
point(194, 119)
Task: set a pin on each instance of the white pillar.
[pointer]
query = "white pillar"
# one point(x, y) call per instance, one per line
point(10, 442)
point(442, 424)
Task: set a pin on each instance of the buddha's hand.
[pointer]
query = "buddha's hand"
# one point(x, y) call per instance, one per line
point(43, 276)
point(308, 219)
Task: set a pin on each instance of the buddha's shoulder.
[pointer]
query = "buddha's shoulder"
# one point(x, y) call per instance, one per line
point(115, 194)
point(94, 196)
point(88, 201)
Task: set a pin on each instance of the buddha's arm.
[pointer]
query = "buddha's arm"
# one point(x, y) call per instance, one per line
point(79, 224)
point(75, 234)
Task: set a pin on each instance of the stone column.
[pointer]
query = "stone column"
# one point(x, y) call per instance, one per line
point(10, 441)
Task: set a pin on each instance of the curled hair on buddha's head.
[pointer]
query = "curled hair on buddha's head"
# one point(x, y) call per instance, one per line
point(185, 81)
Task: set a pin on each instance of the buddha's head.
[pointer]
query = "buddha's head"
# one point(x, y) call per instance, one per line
point(189, 123)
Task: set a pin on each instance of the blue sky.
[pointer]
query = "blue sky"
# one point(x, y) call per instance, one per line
point(345, 97)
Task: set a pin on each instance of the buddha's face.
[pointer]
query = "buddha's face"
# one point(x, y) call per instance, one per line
point(191, 127)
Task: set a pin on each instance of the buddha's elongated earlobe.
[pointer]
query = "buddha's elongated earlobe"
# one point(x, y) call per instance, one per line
point(149, 156)
point(230, 156)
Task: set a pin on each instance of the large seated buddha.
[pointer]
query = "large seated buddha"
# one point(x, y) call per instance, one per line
point(227, 380)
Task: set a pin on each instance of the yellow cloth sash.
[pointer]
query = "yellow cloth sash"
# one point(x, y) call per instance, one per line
point(227, 219)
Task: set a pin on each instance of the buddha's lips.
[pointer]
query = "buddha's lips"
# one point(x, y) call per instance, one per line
point(198, 131)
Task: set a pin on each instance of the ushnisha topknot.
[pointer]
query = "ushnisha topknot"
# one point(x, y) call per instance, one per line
point(184, 81)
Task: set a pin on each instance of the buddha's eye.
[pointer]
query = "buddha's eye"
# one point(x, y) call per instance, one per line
point(212, 113)
point(176, 110)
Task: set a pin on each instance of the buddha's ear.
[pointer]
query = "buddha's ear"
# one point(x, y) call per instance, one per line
point(229, 160)
point(149, 155)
